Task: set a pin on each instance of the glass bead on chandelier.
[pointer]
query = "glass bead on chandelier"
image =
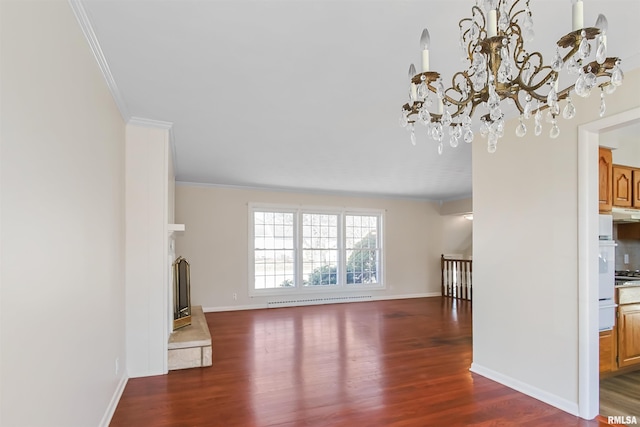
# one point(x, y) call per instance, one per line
point(499, 68)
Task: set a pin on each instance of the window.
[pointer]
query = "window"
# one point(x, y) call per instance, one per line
point(299, 249)
point(363, 250)
point(274, 255)
point(319, 249)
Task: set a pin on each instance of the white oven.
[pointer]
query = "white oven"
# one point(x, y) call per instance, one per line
point(606, 273)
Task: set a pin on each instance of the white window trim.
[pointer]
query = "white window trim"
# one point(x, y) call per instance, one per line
point(298, 210)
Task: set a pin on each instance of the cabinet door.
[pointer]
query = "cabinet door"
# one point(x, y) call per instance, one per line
point(636, 188)
point(628, 335)
point(604, 179)
point(607, 353)
point(622, 186)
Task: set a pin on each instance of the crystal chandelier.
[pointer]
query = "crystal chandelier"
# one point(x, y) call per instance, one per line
point(500, 68)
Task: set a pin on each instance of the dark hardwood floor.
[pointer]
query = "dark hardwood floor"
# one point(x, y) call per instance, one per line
point(620, 395)
point(384, 363)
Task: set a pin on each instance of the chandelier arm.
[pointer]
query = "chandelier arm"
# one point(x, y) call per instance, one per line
point(483, 27)
point(515, 3)
point(453, 88)
point(519, 42)
point(570, 54)
point(476, 8)
point(531, 88)
point(527, 58)
point(464, 34)
point(516, 100)
point(474, 104)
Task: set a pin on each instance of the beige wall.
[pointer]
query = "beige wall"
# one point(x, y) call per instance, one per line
point(456, 229)
point(216, 242)
point(525, 201)
point(62, 223)
point(457, 235)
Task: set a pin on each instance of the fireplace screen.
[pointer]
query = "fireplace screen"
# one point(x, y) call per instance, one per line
point(181, 294)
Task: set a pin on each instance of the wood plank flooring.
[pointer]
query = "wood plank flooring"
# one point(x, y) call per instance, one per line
point(384, 363)
point(620, 395)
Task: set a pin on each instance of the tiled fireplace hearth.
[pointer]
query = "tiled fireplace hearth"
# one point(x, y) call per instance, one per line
point(190, 346)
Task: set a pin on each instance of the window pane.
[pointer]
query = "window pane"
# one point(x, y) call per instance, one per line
point(362, 248)
point(320, 249)
point(274, 256)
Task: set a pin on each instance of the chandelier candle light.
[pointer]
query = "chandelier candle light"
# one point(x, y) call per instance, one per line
point(500, 68)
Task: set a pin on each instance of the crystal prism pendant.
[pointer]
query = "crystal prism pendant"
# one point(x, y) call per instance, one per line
point(603, 105)
point(528, 107)
point(474, 31)
point(572, 66)
point(590, 79)
point(585, 48)
point(555, 130)
point(581, 88)
point(413, 134)
point(453, 141)
point(557, 63)
point(503, 22)
point(468, 136)
point(616, 75)
point(537, 130)
point(466, 121)
point(457, 131)
point(440, 148)
point(440, 89)
point(422, 91)
point(495, 114)
point(424, 115)
point(438, 133)
point(492, 144)
point(484, 129)
point(521, 129)
point(552, 97)
point(569, 111)
point(446, 118)
point(601, 52)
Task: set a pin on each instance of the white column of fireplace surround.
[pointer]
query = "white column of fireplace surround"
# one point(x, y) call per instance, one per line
point(147, 215)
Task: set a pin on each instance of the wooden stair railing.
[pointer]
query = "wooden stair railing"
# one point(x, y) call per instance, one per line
point(456, 278)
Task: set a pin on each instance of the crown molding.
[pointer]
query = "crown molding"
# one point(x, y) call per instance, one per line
point(90, 35)
point(150, 123)
point(276, 189)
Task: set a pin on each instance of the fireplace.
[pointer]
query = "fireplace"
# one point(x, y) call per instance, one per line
point(181, 294)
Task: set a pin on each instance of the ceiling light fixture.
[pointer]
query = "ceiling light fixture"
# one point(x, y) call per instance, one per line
point(500, 68)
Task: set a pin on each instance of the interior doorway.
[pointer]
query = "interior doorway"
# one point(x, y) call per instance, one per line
point(588, 336)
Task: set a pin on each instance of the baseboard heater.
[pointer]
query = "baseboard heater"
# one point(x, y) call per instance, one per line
point(315, 301)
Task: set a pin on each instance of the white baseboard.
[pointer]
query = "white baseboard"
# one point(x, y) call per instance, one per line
point(264, 305)
point(407, 296)
point(529, 390)
point(113, 404)
point(234, 307)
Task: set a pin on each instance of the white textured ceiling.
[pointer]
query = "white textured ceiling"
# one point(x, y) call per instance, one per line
point(306, 94)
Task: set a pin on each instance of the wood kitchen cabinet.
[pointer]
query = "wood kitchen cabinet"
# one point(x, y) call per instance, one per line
point(628, 335)
point(605, 171)
point(607, 352)
point(629, 231)
point(636, 188)
point(622, 178)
